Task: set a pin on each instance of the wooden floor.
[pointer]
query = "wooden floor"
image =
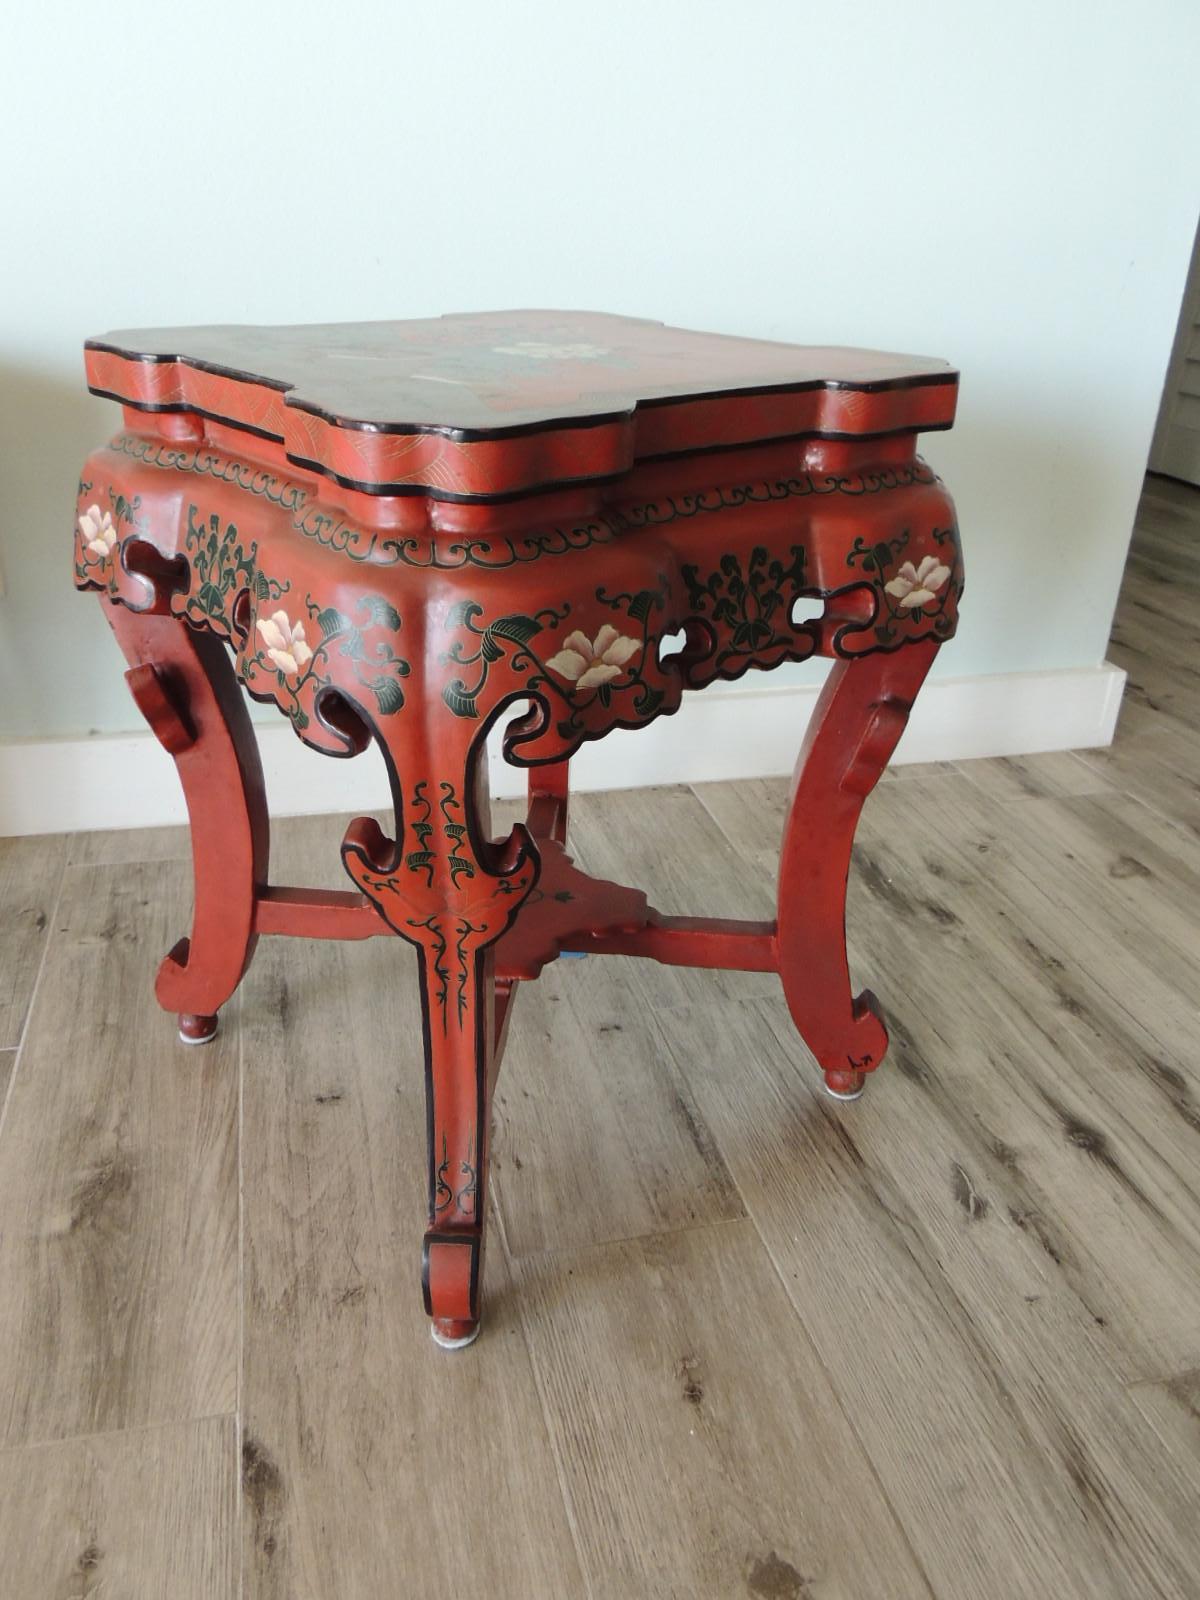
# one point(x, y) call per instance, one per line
point(741, 1341)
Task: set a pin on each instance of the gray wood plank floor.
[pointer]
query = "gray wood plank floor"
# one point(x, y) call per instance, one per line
point(740, 1341)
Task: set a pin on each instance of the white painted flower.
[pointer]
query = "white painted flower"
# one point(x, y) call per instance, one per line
point(98, 532)
point(537, 350)
point(917, 586)
point(587, 663)
point(285, 642)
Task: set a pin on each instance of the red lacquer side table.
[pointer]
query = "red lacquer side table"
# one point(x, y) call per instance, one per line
point(395, 531)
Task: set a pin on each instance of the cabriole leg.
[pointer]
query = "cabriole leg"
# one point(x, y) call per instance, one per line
point(446, 889)
point(185, 686)
point(459, 1018)
point(861, 713)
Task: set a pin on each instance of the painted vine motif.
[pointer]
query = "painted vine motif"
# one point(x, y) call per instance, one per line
point(100, 533)
point(220, 569)
point(453, 830)
point(911, 592)
point(361, 545)
point(282, 650)
point(750, 608)
point(593, 672)
point(499, 551)
point(437, 945)
point(290, 652)
point(605, 669)
point(449, 937)
point(445, 1195)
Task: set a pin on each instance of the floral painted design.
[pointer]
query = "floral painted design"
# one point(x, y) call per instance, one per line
point(917, 599)
point(590, 674)
point(98, 532)
point(285, 656)
point(584, 672)
point(587, 663)
point(748, 604)
point(220, 568)
point(917, 586)
point(285, 642)
point(297, 671)
point(509, 635)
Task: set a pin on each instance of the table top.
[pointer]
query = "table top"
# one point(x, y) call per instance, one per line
point(496, 404)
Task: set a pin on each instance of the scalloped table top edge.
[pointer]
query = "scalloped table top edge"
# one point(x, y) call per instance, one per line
point(495, 404)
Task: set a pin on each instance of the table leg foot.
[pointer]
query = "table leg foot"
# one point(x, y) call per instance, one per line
point(845, 1085)
point(196, 1029)
point(453, 1333)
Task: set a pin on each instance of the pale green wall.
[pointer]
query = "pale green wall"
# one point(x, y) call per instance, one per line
point(1012, 185)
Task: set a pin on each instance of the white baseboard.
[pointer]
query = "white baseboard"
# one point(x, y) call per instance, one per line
point(128, 780)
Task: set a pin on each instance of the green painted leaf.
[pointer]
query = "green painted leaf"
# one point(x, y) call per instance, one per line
point(459, 867)
point(352, 646)
point(331, 621)
point(382, 612)
point(516, 628)
point(300, 717)
point(459, 699)
point(748, 635)
point(464, 612)
point(648, 703)
point(209, 600)
point(389, 696)
point(262, 589)
point(642, 604)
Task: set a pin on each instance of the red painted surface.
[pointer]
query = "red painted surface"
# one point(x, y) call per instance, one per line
point(184, 684)
point(860, 715)
point(502, 402)
point(416, 620)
